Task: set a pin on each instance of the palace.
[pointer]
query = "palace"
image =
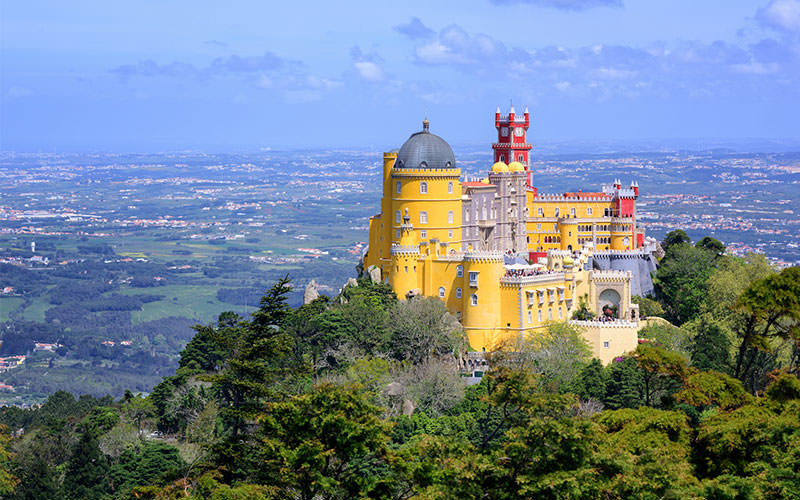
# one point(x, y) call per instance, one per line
point(506, 259)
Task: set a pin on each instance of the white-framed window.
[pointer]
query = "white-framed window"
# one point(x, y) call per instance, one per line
point(560, 313)
point(459, 271)
point(540, 212)
point(397, 216)
point(441, 292)
point(450, 234)
point(449, 188)
point(605, 344)
point(423, 217)
point(540, 315)
point(550, 314)
point(458, 293)
point(423, 187)
point(397, 186)
point(530, 316)
point(520, 157)
point(538, 227)
point(572, 212)
point(473, 278)
point(423, 234)
point(504, 131)
point(466, 216)
point(450, 217)
point(473, 300)
point(557, 212)
point(589, 211)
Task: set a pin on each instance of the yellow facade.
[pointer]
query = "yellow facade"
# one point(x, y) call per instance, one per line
point(419, 245)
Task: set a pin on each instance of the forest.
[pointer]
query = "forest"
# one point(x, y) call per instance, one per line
point(360, 395)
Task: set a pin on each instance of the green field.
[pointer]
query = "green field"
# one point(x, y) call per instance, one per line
point(7, 305)
point(35, 311)
point(197, 302)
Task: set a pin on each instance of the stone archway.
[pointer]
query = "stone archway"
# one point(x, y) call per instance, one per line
point(611, 298)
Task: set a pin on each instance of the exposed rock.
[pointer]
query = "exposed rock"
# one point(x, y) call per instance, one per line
point(311, 292)
point(351, 282)
point(408, 407)
point(395, 389)
point(375, 274)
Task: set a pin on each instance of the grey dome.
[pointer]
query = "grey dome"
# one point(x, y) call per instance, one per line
point(425, 150)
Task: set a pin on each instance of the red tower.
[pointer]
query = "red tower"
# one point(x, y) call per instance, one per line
point(512, 144)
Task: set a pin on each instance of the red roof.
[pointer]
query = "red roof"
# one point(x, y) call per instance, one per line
point(476, 184)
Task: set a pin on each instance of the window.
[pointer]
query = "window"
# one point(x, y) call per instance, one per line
point(423, 217)
point(450, 217)
point(458, 315)
point(560, 314)
point(605, 344)
point(397, 217)
point(441, 292)
point(423, 188)
point(503, 158)
point(550, 314)
point(572, 212)
point(458, 293)
point(540, 315)
point(459, 271)
point(405, 268)
point(530, 316)
point(504, 131)
point(423, 234)
point(557, 212)
point(473, 300)
point(398, 233)
point(520, 157)
point(540, 212)
point(538, 227)
point(473, 278)
point(450, 234)
point(397, 187)
point(449, 188)
point(589, 211)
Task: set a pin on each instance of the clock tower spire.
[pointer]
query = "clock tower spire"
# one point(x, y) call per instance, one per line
point(512, 144)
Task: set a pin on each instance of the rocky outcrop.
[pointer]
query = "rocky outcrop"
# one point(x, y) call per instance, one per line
point(311, 292)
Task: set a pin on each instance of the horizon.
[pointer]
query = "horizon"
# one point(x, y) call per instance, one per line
point(154, 78)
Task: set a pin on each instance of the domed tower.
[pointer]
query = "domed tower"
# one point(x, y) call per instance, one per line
point(425, 184)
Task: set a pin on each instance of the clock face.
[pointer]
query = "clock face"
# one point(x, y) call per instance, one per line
point(518, 132)
point(504, 131)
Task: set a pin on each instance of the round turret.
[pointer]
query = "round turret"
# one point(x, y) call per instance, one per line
point(516, 166)
point(499, 167)
point(425, 150)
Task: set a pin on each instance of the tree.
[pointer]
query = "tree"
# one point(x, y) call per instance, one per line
point(624, 388)
point(7, 481)
point(711, 244)
point(138, 410)
point(661, 371)
point(86, 476)
point(647, 306)
point(555, 355)
point(423, 328)
point(325, 443)
point(771, 307)
point(669, 337)
point(591, 381)
point(710, 348)
point(680, 281)
point(675, 237)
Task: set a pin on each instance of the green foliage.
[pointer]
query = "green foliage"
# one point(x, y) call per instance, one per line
point(711, 244)
point(680, 281)
point(591, 381)
point(710, 349)
point(322, 443)
point(707, 388)
point(647, 306)
point(423, 328)
point(7, 480)
point(669, 337)
point(675, 237)
point(624, 388)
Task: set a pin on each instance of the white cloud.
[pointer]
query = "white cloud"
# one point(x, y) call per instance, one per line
point(369, 71)
point(781, 14)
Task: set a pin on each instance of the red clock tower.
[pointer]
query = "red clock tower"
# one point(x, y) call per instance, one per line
point(512, 144)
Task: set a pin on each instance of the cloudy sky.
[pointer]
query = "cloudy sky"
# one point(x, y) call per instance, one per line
point(151, 75)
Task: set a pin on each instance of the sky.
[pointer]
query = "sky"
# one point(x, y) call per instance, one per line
point(157, 75)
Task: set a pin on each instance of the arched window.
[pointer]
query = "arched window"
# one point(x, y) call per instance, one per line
point(460, 271)
point(450, 188)
point(397, 186)
point(572, 212)
point(423, 187)
point(450, 217)
point(441, 292)
point(560, 314)
point(540, 315)
point(423, 217)
point(474, 299)
point(550, 314)
point(557, 212)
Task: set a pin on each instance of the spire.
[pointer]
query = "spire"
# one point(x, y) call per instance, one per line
point(426, 125)
point(498, 110)
point(526, 110)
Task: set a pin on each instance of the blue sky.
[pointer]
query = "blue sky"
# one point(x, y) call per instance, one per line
point(226, 76)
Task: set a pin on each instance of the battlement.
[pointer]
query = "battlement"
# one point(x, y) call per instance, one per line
point(536, 278)
point(625, 254)
point(619, 323)
point(454, 173)
point(483, 256)
point(561, 197)
point(611, 275)
point(405, 250)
